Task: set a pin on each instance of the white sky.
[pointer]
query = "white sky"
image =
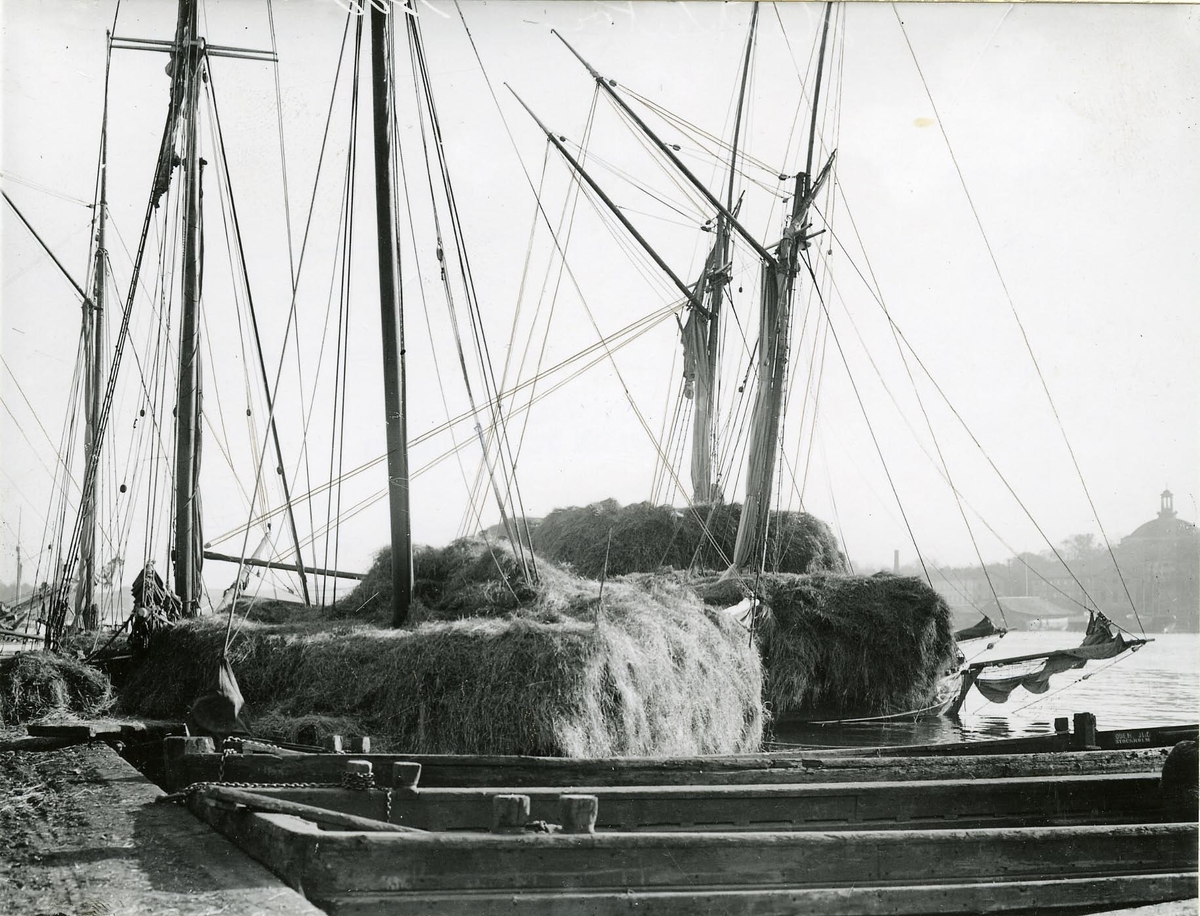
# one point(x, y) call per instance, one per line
point(1075, 128)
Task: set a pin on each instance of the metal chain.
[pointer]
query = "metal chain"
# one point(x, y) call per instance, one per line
point(360, 782)
point(184, 793)
point(388, 807)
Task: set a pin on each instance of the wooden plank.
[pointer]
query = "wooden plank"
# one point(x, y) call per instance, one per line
point(39, 743)
point(935, 804)
point(284, 844)
point(1185, 907)
point(516, 772)
point(380, 862)
point(1154, 736)
point(254, 801)
point(1068, 894)
point(86, 730)
point(1165, 736)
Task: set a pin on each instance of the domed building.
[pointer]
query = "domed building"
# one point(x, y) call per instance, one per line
point(1160, 563)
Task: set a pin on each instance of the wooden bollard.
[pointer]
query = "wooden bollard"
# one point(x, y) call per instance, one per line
point(178, 745)
point(175, 746)
point(358, 744)
point(509, 813)
point(359, 774)
point(1085, 731)
point(1062, 725)
point(577, 813)
point(332, 744)
point(405, 775)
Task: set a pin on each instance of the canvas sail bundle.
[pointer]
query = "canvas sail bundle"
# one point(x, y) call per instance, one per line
point(996, 680)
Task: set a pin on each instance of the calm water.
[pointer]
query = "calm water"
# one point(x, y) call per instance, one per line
point(1157, 685)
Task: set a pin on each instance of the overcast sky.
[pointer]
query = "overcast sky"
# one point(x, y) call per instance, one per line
point(1073, 128)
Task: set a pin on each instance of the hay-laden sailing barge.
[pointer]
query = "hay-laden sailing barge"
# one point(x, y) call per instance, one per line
point(373, 836)
point(819, 664)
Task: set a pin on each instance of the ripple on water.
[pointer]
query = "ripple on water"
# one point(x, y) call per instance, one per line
point(1157, 685)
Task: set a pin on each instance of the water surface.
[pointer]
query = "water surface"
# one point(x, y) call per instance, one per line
point(1157, 685)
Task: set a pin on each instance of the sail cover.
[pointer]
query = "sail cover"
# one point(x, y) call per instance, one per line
point(997, 679)
point(985, 627)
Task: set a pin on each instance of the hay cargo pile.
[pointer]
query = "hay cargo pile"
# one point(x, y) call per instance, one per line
point(647, 538)
point(494, 668)
point(34, 685)
point(847, 646)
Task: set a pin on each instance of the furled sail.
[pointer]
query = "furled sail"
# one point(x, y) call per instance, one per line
point(983, 628)
point(997, 679)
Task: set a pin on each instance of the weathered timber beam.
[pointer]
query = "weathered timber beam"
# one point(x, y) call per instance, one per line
point(370, 863)
point(273, 564)
point(891, 900)
point(1014, 802)
point(254, 801)
point(466, 771)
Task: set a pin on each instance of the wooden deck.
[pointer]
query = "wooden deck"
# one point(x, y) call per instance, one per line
point(1067, 832)
point(83, 835)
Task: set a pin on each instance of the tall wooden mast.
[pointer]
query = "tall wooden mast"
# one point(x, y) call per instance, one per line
point(775, 318)
point(392, 315)
point(702, 334)
point(93, 314)
point(187, 61)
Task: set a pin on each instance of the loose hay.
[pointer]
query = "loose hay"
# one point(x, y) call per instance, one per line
point(34, 685)
point(848, 646)
point(647, 538)
point(543, 670)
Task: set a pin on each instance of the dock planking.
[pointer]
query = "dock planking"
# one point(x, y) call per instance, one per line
point(666, 872)
point(1072, 895)
point(448, 771)
point(930, 805)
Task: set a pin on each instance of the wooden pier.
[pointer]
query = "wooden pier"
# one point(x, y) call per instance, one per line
point(1071, 828)
point(825, 832)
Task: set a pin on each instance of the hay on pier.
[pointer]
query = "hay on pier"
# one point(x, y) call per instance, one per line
point(648, 538)
point(541, 670)
point(847, 646)
point(34, 685)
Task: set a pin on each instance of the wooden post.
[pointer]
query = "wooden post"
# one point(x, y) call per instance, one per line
point(178, 745)
point(577, 813)
point(509, 813)
point(1085, 731)
point(405, 775)
point(1062, 725)
point(175, 746)
point(332, 744)
point(358, 775)
point(359, 744)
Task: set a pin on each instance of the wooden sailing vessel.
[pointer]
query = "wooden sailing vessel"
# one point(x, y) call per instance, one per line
point(781, 266)
point(781, 262)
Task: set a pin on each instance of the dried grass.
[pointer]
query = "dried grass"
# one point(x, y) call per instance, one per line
point(34, 685)
point(648, 538)
point(847, 646)
point(496, 667)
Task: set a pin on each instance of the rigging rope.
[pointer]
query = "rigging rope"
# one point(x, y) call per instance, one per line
point(1020, 325)
point(837, 342)
point(510, 495)
point(958, 416)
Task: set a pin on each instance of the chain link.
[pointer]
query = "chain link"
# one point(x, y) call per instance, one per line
point(359, 782)
point(186, 792)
